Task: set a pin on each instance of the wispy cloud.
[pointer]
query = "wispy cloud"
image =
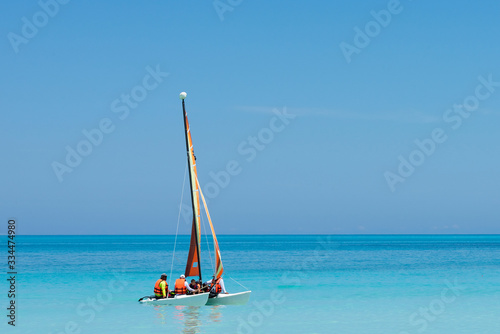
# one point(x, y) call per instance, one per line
point(490, 112)
point(402, 117)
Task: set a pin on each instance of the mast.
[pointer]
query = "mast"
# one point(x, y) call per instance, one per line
point(193, 263)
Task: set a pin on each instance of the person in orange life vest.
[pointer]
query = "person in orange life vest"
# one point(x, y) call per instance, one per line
point(195, 286)
point(218, 285)
point(161, 287)
point(181, 286)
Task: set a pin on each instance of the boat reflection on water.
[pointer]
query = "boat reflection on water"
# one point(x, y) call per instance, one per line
point(189, 317)
point(215, 314)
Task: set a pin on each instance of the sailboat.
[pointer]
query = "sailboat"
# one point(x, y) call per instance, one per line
point(193, 267)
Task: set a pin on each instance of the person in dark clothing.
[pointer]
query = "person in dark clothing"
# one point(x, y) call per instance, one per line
point(195, 286)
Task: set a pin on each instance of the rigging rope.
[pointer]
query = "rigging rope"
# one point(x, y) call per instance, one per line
point(206, 238)
point(238, 283)
point(178, 220)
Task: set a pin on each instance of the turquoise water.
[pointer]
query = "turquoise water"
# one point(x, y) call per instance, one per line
point(300, 284)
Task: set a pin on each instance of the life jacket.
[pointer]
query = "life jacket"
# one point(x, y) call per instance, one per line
point(195, 286)
point(158, 291)
point(180, 288)
point(216, 286)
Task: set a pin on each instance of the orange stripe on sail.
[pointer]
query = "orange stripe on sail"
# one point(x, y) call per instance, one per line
point(194, 176)
point(218, 261)
point(193, 262)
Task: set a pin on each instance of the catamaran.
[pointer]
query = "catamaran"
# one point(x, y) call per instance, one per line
point(193, 267)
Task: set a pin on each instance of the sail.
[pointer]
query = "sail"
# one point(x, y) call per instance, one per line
point(218, 260)
point(192, 265)
point(193, 262)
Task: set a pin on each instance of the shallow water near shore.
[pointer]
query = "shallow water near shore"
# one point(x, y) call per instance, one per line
point(300, 284)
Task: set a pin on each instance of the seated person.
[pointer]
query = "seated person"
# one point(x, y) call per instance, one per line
point(195, 286)
point(217, 286)
point(161, 287)
point(181, 286)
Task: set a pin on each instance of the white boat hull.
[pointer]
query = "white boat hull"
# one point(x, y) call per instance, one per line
point(240, 298)
point(188, 300)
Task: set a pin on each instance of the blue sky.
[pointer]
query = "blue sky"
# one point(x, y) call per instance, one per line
point(345, 160)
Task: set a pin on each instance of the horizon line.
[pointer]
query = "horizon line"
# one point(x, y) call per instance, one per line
point(267, 234)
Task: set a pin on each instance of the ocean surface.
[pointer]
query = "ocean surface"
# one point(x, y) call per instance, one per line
point(300, 284)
